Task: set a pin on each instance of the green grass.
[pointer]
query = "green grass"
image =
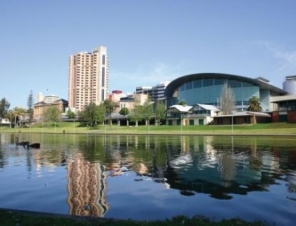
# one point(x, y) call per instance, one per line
point(10, 217)
point(71, 127)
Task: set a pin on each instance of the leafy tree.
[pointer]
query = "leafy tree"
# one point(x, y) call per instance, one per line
point(136, 114)
point(30, 107)
point(124, 111)
point(10, 115)
point(159, 111)
point(93, 114)
point(182, 102)
point(70, 114)
point(110, 106)
point(101, 111)
point(254, 104)
point(227, 100)
point(147, 110)
point(51, 114)
point(4, 106)
point(18, 113)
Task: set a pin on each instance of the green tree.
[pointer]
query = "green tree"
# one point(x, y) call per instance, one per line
point(51, 114)
point(93, 114)
point(254, 104)
point(159, 111)
point(182, 102)
point(10, 116)
point(227, 100)
point(70, 114)
point(4, 106)
point(30, 107)
point(147, 111)
point(136, 114)
point(124, 111)
point(18, 113)
point(110, 106)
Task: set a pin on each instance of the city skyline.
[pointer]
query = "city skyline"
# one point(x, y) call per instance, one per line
point(148, 42)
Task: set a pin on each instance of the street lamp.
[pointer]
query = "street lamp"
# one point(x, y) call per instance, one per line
point(181, 121)
point(232, 123)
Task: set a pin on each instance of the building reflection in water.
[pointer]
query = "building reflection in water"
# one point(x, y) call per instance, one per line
point(86, 188)
point(218, 166)
point(207, 166)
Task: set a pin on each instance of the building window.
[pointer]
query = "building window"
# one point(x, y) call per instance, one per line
point(103, 59)
point(245, 84)
point(103, 95)
point(189, 85)
point(197, 83)
point(182, 88)
point(219, 81)
point(208, 82)
point(234, 83)
point(103, 76)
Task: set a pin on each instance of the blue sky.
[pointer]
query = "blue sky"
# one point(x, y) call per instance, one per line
point(147, 41)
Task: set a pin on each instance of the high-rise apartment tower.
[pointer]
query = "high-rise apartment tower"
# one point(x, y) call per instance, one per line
point(88, 78)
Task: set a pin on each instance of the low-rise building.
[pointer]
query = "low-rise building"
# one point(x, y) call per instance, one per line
point(202, 114)
point(49, 101)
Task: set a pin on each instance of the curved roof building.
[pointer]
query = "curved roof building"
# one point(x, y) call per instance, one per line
point(205, 88)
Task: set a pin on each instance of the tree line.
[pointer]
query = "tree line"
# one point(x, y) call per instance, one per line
point(97, 114)
point(16, 113)
point(94, 114)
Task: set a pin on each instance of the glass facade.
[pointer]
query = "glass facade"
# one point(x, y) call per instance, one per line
point(208, 91)
point(103, 59)
point(103, 76)
point(287, 105)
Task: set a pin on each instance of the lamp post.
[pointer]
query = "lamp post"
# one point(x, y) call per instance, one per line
point(147, 121)
point(181, 122)
point(232, 123)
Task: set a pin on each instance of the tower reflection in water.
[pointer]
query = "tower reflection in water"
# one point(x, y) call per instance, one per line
point(86, 188)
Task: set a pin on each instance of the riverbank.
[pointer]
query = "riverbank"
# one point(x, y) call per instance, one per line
point(275, 129)
point(24, 218)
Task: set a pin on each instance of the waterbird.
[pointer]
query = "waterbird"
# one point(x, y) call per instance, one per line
point(23, 143)
point(33, 145)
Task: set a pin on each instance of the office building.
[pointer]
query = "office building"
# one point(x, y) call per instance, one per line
point(158, 91)
point(88, 78)
point(205, 88)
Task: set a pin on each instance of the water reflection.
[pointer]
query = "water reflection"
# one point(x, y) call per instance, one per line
point(86, 187)
point(219, 167)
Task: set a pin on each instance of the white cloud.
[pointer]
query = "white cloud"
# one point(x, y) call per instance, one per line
point(145, 76)
point(287, 58)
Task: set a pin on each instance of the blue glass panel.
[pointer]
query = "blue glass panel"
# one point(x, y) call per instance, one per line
point(196, 83)
point(208, 82)
point(219, 81)
point(189, 85)
point(233, 83)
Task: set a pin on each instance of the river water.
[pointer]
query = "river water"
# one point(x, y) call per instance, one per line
point(151, 177)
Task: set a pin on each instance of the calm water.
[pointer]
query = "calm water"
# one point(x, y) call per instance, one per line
point(151, 177)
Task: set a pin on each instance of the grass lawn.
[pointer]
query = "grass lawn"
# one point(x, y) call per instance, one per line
point(71, 127)
point(10, 217)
